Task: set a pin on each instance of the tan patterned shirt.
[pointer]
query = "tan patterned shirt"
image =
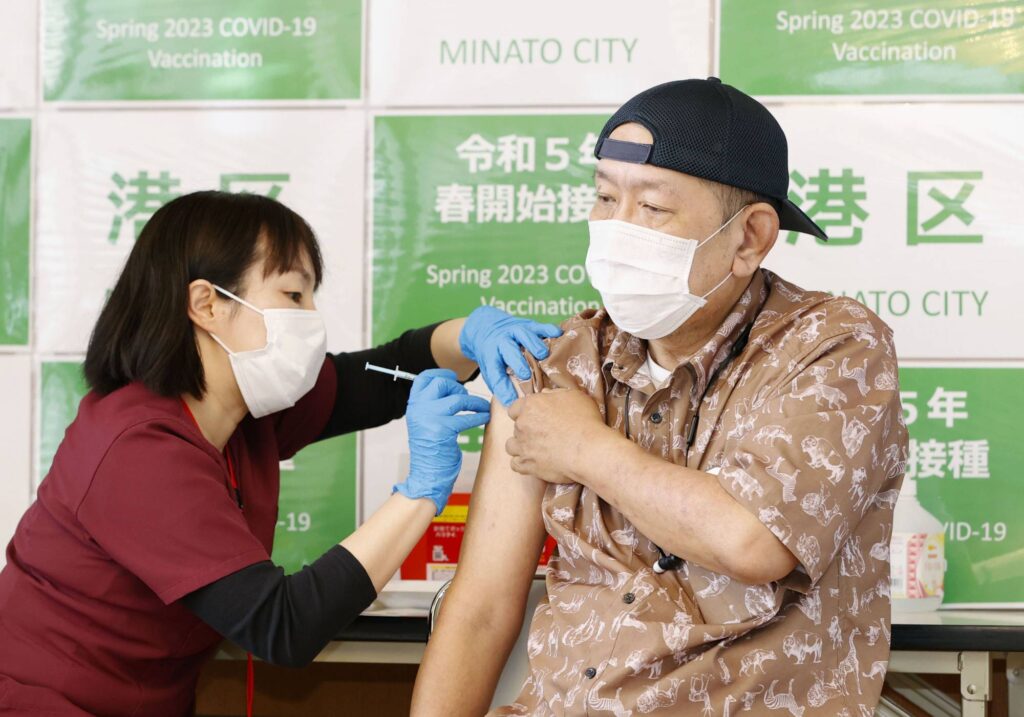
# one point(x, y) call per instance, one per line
point(804, 428)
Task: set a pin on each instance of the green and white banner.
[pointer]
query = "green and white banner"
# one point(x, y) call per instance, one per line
point(318, 486)
point(111, 50)
point(965, 457)
point(872, 47)
point(15, 213)
point(531, 52)
point(923, 232)
point(480, 210)
point(443, 153)
point(18, 41)
point(103, 174)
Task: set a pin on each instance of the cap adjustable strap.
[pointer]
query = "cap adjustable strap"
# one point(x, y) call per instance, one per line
point(634, 152)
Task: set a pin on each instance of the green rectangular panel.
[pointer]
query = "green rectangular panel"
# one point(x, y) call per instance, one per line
point(112, 50)
point(318, 502)
point(965, 456)
point(872, 47)
point(15, 209)
point(472, 210)
point(317, 507)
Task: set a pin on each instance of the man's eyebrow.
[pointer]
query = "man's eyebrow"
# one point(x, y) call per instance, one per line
point(656, 184)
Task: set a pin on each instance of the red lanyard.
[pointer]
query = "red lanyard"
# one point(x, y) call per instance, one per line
point(250, 677)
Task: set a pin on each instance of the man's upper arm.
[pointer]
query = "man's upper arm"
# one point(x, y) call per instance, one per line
point(484, 609)
point(505, 530)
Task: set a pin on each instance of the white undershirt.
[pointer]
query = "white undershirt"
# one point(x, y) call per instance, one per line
point(658, 374)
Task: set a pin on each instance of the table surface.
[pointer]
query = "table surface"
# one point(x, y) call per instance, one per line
point(959, 630)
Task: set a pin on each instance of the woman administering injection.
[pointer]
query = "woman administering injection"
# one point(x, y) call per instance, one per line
point(152, 533)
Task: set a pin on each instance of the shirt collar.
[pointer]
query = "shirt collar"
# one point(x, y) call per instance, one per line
point(627, 354)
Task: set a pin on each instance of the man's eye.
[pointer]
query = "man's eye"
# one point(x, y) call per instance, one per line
point(605, 199)
point(295, 296)
point(652, 208)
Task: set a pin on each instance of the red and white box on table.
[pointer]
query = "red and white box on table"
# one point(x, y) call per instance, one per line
point(437, 553)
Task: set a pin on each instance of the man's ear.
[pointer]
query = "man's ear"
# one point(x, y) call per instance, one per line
point(760, 230)
point(202, 298)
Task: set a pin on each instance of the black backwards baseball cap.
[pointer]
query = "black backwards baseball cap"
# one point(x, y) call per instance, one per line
point(710, 130)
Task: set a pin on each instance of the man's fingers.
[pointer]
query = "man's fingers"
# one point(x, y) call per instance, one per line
point(516, 409)
point(512, 447)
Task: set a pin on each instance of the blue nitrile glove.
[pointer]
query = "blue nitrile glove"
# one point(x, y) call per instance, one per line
point(434, 423)
point(495, 340)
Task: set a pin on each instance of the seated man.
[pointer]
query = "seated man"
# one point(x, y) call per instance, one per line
point(721, 481)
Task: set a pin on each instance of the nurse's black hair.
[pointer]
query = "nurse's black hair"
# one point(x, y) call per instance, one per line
point(144, 332)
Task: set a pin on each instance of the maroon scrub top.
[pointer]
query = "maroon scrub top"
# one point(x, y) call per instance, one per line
point(135, 513)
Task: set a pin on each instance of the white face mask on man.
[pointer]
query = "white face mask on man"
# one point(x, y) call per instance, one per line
point(276, 376)
point(643, 276)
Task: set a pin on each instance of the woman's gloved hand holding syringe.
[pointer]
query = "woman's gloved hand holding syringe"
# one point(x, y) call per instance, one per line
point(440, 407)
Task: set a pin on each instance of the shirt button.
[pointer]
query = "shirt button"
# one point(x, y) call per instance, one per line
point(628, 598)
point(591, 673)
point(655, 417)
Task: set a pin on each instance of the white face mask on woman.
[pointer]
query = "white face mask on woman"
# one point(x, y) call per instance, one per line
point(276, 376)
point(643, 276)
